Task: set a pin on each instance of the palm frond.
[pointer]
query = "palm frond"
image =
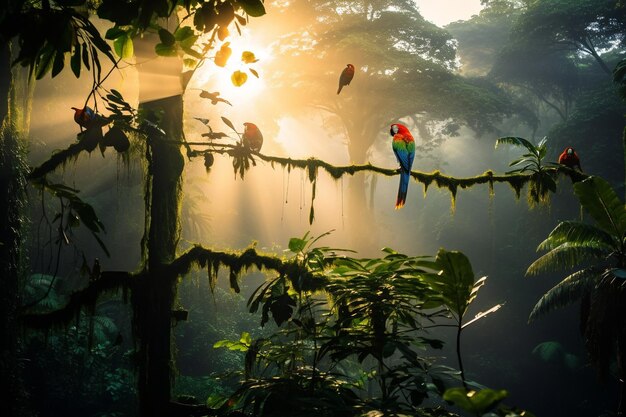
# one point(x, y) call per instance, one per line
point(601, 201)
point(569, 290)
point(577, 234)
point(567, 256)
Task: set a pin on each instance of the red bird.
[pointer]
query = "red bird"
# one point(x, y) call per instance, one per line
point(570, 158)
point(346, 76)
point(84, 117)
point(252, 137)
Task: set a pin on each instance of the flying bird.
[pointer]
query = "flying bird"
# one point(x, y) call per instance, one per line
point(346, 76)
point(252, 137)
point(403, 146)
point(570, 158)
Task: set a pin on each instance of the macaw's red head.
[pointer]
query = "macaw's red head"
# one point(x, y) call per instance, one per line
point(83, 116)
point(351, 66)
point(250, 127)
point(569, 150)
point(398, 128)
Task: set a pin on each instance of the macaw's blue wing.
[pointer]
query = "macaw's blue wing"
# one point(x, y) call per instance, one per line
point(405, 153)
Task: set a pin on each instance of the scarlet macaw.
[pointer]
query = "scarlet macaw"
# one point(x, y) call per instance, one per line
point(84, 117)
point(403, 146)
point(252, 137)
point(570, 158)
point(346, 76)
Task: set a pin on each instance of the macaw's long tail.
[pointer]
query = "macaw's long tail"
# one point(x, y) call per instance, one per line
point(402, 189)
point(339, 89)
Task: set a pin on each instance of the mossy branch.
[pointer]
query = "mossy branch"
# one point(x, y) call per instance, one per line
point(87, 297)
point(236, 262)
point(58, 159)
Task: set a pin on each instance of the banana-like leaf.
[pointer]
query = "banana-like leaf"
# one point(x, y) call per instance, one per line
point(569, 290)
point(517, 141)
point(567, 256)
point(456, 281)
point(576, 234)
point(603, 204)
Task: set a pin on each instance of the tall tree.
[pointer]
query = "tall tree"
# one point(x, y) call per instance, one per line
point(586, 26)
point(73, 34)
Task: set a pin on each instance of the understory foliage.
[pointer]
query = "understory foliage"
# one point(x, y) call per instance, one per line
point(354, 338)
point(597, 255)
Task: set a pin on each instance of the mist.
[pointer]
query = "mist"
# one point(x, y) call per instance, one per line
point(455, 90)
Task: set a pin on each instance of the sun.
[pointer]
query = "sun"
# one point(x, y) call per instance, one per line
point(215, 78)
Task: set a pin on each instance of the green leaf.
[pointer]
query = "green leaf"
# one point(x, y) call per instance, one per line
point(477, 402)
point(75, 61)
point(566, 292)
point(516, 141)
point(568, 255)
point(114, 33)
point(253, 8)
point(166, 37)
point(245, 338)
point(183, 32)
point(603, 204)
point(578, 234)
point(296, 245)
point(165, 50)
point(44, 62)
point(456, 280)
point(124, 47)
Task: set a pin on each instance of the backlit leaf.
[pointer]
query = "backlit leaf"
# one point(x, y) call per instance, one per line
point(248, 57)
point(239, 78)
point(253, 8)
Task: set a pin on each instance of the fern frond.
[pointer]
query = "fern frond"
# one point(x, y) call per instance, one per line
point(567, 256)
point(569, 290)
point(577, 234)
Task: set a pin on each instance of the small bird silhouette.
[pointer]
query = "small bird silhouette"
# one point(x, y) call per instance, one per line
point(252, 137)
point(570, 158)
point(346, 76)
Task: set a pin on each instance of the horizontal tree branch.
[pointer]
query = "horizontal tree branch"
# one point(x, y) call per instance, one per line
point(87, 297)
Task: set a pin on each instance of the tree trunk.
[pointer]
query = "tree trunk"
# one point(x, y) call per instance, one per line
point(13, 171)
point(361, 213)
point(154, 297)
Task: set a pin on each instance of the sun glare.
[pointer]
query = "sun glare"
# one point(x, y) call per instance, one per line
point(215, 78)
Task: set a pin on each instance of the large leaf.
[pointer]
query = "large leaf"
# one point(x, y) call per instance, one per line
point(577, 234)
point(567, 256)
point(517, 141)
point(603, 204)
point(455, 280)
point(569, 290)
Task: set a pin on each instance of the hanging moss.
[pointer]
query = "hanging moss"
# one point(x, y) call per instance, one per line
point(83, 299)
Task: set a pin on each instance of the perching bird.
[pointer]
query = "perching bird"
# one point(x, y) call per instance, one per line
point(84, 117)
point(252, 137)
point(346, 76)
point(570, 158)
point(403, 146)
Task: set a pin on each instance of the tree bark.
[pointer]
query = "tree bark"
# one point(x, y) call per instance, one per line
point(13, 171)
point(154, 298)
